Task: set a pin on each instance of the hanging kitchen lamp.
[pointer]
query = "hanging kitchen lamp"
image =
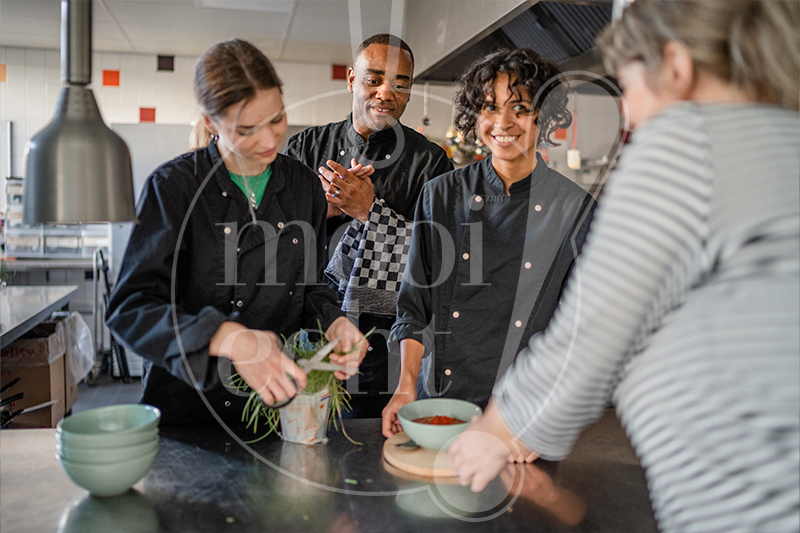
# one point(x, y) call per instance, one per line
point(78, 170)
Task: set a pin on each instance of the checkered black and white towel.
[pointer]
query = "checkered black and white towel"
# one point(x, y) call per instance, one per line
point(368, 262)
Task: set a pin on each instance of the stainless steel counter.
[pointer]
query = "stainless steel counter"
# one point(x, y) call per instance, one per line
point(204, 480)
point(25, 265)
point(23, 307)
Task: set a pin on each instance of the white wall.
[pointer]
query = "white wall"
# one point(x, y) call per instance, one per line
point(33, 82)
point(598, 131)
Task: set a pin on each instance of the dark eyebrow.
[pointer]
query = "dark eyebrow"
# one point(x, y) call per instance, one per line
point(517, 98)
point(383, 73)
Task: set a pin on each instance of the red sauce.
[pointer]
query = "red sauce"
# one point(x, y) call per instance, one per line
point(438, 420)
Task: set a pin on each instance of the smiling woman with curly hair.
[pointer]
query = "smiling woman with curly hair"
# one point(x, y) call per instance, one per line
point(493, 242)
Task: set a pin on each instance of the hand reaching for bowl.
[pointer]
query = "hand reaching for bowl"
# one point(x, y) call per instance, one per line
point(401, 397)
point(411, 352)
point(483, 450)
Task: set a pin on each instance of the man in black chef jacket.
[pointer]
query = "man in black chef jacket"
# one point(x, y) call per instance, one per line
point(370, 218)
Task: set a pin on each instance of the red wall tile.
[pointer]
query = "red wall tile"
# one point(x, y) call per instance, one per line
point(147, 114)
point(339, 72)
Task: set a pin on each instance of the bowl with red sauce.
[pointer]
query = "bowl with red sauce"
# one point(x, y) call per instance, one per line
point(433, 423)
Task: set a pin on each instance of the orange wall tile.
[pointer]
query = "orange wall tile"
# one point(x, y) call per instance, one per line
point(110, 78)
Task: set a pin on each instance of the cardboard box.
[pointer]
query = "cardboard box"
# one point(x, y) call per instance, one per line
point(40, 384)
point(41, 346)
point(37, 358)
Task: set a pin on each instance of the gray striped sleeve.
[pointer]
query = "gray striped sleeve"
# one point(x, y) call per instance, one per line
point(686, 306)
point(652, 215)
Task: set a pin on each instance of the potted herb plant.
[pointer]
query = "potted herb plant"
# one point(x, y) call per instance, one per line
point(307, 417)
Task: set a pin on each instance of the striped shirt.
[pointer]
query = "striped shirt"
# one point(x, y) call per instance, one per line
point(684, 309)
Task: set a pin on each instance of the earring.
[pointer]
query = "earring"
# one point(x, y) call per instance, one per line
point(214, 137)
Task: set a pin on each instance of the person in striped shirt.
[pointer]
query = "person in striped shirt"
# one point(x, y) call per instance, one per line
point(684, 307)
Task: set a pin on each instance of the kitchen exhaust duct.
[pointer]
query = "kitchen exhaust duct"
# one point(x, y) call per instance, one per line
point(77, 170)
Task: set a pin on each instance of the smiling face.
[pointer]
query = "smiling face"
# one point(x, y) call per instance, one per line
point(507, 127)
point(380, 81)
point(251, 133)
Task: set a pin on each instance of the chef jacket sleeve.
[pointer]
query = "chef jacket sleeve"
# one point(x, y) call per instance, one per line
point(141, 313)
point(414, 300)
point(294, 148)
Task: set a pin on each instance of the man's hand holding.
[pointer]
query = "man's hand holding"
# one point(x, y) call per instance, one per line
point(349, 190)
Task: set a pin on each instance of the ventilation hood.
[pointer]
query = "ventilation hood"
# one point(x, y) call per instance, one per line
point(563, 32)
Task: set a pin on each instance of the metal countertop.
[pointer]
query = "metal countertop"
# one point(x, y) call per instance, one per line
point(204, 480)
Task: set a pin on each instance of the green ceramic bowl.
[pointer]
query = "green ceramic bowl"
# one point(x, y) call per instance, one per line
point(432, 437)
point(117, 419)
point(108, 479)
point(105, 440)
point(106, 455)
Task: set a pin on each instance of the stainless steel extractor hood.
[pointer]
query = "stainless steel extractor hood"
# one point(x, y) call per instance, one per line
point(563, 32)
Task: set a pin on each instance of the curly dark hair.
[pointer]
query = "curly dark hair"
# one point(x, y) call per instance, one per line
point(524, 68)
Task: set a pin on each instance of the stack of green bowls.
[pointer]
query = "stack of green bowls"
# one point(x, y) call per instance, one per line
point(107, 450)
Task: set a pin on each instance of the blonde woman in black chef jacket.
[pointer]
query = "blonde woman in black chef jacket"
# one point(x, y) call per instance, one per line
point(227, 255)
point(493, 243)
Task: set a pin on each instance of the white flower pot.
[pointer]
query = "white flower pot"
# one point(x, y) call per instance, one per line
point(305, 420)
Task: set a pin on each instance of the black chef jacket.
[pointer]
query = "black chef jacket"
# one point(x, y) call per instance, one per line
point(487, 273)
point(404, 161)
point(266, 285)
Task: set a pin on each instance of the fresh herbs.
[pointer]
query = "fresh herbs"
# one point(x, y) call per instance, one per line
point(256, 413)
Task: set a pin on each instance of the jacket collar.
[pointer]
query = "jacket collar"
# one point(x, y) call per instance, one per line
point(524, 184)
point(376, 137)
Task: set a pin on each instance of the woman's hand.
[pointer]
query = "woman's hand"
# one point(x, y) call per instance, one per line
point(350, 350)
point(401, 397)
point(259, 360)
point(483, 450)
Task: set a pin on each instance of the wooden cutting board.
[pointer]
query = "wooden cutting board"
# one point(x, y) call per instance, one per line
point(418, 460)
